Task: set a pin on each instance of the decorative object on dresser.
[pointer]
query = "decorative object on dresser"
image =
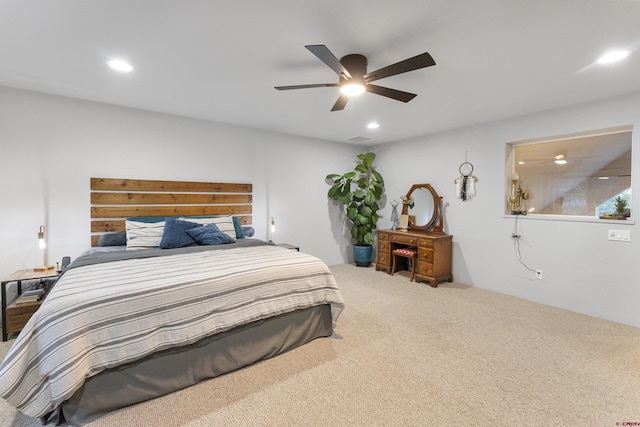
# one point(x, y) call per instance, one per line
point(424, 235)
point(394, 215)
point(359, 191)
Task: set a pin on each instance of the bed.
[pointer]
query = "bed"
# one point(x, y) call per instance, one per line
point(127, 323)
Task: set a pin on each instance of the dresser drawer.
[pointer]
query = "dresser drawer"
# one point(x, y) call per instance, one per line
point(405, 240)
point(426, 243)
point(425, 254)
point(383, 237)
point(383, 246)
point(425, 269)
point(383, 259)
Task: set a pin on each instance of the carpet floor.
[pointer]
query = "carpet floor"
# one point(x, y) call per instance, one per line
point(406, 354)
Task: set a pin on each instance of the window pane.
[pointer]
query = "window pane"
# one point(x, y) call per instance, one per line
point(574, 176)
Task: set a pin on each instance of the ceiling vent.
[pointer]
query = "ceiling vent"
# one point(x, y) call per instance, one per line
point(359, 139)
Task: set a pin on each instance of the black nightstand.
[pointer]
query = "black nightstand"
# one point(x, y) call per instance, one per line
point(15, 316)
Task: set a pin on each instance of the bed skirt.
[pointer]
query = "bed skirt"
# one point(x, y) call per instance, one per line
point(175, 369)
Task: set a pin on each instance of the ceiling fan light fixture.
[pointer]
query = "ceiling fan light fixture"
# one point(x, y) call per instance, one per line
point(354, 78)
point(352, 89)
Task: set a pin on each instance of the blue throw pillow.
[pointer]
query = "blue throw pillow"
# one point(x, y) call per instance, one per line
point(175, 234)
point(210, 235)
point(238, 228)
point(113, 239)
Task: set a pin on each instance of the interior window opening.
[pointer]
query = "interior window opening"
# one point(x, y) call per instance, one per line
point(585, 175)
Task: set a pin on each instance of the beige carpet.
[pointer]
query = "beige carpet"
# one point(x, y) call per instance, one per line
point(407, 354)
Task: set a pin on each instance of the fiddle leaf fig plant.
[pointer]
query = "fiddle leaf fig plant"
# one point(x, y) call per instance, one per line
point(360, 191)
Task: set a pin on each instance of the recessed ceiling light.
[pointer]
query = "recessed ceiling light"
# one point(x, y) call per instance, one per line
point(521, 162)
point(603, 177)
point(120, 65)
point(613, 56)
point(560, 159)
point(373, 125)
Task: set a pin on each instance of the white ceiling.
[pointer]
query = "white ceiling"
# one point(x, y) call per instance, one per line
point(220, 59)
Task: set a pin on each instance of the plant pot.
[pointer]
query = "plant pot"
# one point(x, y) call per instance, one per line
point(362, 255)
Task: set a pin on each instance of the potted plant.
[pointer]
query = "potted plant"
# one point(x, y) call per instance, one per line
point(359, 191)
point(621, 208)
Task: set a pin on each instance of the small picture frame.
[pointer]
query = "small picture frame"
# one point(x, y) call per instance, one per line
point(403, 224)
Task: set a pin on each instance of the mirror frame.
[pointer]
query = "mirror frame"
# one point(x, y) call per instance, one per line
point(436, 217)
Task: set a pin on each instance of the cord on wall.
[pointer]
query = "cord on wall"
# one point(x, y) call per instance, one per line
point(517, 236)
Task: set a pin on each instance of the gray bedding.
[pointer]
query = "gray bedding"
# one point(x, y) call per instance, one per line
point(113, 312)
point(185, 366)
point(98, 256)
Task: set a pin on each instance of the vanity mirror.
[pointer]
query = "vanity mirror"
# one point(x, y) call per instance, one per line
point(422, 205)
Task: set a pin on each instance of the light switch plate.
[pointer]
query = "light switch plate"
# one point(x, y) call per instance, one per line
point(620, 235)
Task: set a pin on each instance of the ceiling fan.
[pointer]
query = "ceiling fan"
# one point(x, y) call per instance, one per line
point(354, 79)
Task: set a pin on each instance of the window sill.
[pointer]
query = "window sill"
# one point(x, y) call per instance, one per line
point(571, 218)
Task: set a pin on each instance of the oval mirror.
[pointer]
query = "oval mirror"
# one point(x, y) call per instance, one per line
point(425, 212)
point(423, 204)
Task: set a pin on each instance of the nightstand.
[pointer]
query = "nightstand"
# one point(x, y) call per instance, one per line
point(288, 246)
point(15, 316)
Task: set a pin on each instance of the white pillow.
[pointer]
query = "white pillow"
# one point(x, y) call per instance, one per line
point(143, 235)
point(224, 223)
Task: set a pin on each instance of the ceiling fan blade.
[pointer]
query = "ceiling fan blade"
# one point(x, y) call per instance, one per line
point(324, 54)
point(415, 63)
point(307, 86)
point(340, 103)
point(398, 95)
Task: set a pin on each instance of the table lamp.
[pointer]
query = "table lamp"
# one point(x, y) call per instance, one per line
point(42, 244)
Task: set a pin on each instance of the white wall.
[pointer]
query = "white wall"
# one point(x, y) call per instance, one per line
point(582, 270)
point(51, 146)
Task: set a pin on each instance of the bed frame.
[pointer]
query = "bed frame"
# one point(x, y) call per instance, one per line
point(115, 200)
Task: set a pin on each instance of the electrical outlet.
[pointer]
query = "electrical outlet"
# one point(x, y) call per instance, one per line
point(539, 274)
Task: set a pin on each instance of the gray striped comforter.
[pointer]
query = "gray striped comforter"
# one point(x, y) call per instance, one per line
point(104, 315)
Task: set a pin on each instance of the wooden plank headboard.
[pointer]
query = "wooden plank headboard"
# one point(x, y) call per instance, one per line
point(114, 200)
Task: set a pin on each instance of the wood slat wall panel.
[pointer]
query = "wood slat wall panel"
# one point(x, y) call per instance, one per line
point(107, 226)
point(107, 184)
point(113, 200)
point(130, 211)
point(167, 199)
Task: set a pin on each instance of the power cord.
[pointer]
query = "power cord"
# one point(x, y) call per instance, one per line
point(518, 236)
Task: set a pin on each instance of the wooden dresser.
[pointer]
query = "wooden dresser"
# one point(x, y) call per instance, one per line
point(434, 253)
